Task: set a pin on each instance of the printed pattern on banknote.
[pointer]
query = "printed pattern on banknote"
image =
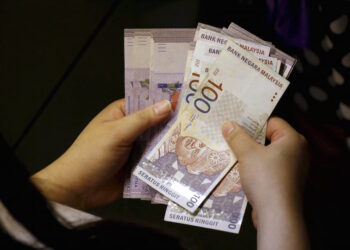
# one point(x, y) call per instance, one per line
point(223, 210)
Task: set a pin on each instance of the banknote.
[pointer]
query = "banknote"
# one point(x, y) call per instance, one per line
point(167, 71)
point(188, 71)
point(223, 210)
point(159, 56)
point(240, 33)
point(168, 63)
point(137, 68)
point(260, 50)
point(166, 44)
point(137, 54)
point(244, 34)
point(157, 198)
point(128, 71)
point(142, 54)
point(204, 26)
point(208, 46)
point(192, 157)
point(287, 62)
point(128, 79)
point(201, 51)
point(137, 43)
point(204, 54)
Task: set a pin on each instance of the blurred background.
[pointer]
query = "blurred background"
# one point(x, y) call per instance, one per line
point(61, 62)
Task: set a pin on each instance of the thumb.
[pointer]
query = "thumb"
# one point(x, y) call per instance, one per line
point(132, 126)
point(238, 140)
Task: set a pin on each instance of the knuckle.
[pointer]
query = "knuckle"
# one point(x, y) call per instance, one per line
point(232, 138)
point(236, 137)
point(145, 117)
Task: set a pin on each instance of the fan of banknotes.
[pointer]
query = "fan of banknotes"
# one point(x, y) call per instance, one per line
point(210, 75)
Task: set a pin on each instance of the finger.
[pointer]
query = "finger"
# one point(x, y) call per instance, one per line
point(278, 128)
point(113, 111)
point(132, 126)
point(238, 140)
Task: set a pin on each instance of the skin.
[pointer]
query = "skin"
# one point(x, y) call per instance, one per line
point(90, 173)
point(273, 177)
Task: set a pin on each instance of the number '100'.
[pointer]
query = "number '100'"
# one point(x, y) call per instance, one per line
point(208, 94)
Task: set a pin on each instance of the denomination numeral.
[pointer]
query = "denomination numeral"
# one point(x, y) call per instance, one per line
point(233, 221)
point(209, 90)
point(218, 86)
point(194, 199)
point(192, 87)
point(191, 84)
point(202, 105)
point(208, 94)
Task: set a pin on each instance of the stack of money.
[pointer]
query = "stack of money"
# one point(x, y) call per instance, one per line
point(210, 75)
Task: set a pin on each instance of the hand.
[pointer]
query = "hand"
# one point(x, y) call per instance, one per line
point(89, 173)
point(273, 177)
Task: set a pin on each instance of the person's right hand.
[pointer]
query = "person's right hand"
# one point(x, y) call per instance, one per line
point(273, 177)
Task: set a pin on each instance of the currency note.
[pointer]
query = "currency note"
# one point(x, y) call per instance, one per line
point(142, 52)
point(206, 216)
point(203, 34)
point(260, 50)
point(204, 54)
point(157, 198)
point(168, 63)
point(128, 79)
point(137, 54)
point(193, 157)
point(208, 46)
point(158, 74)
point(246, 35)
point(188, 70)
point(287, 62)
point(223, 210)
point(128, 71)
point(139, 189)
point(204, 26)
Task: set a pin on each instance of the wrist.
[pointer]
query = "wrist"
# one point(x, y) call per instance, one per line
point(54, 192)
point(280, 225)
point(281, 204)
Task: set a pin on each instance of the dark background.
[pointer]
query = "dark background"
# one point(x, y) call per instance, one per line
point(61, 62)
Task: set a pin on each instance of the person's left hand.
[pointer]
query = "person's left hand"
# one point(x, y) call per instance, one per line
point(89, 173)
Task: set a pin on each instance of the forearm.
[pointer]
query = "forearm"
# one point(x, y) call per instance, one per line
point(282, 227)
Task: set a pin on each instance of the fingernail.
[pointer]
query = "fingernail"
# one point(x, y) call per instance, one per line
point(227, 128)
point(162, 107)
